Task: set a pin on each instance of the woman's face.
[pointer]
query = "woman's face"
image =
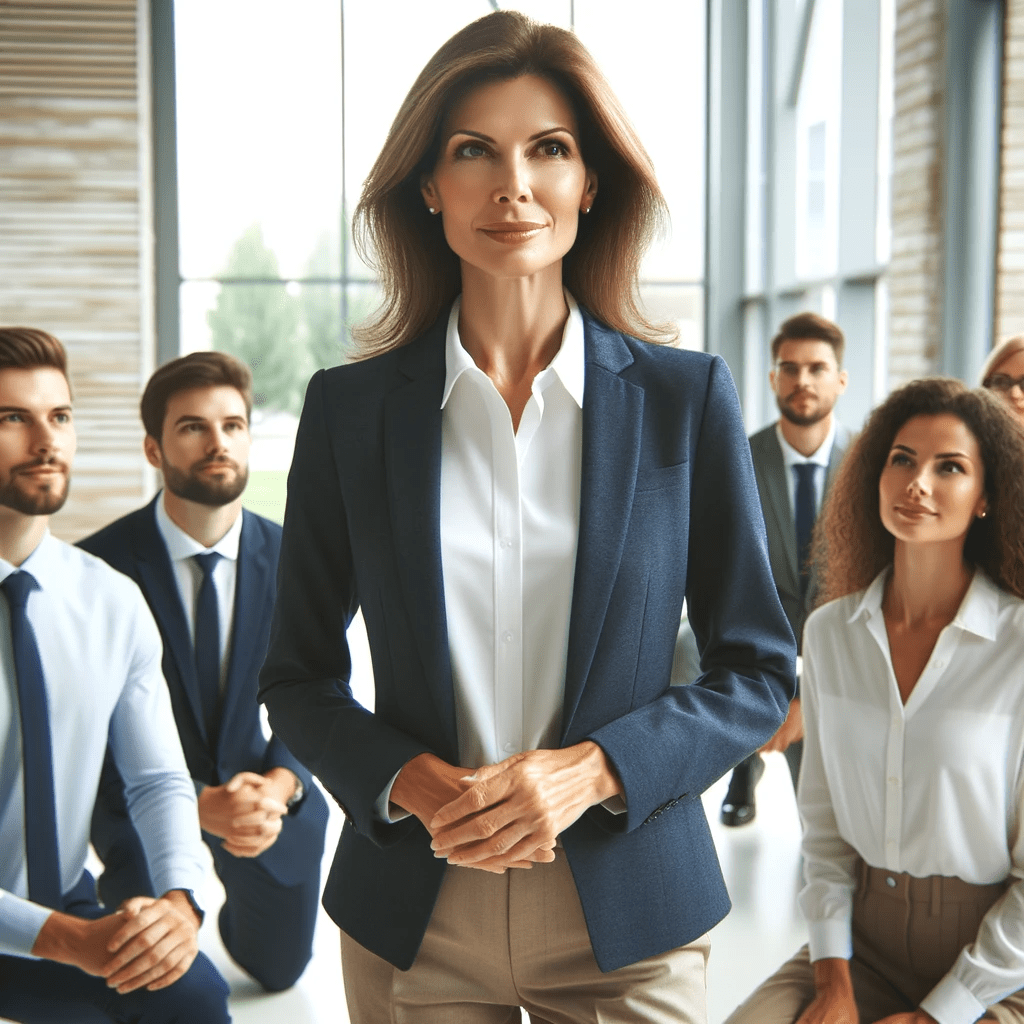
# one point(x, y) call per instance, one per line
point(510, 181)
point(933, 485)
point(1010, 369)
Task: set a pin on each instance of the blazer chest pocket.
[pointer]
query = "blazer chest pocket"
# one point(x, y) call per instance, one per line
point(660, 477)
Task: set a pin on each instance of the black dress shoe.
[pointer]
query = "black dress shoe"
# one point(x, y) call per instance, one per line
point(738, 806)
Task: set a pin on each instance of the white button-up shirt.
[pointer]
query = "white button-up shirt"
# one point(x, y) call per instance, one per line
point(181, 547)
point(100, 651)
point(933, 787)
point(510, 505)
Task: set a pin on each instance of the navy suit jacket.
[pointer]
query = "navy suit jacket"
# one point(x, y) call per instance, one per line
point(133, 545)
point(668, 508)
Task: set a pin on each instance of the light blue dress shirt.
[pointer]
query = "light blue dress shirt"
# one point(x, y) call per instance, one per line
point(101, 652)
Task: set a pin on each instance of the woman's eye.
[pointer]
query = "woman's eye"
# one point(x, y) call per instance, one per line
point(470, 149)
point(952, 467)
point(899, 459)
point(554, 149)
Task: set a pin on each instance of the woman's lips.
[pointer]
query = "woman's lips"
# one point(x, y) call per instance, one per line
point(512, 232)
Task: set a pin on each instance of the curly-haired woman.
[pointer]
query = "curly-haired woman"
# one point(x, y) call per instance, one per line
point(913, 691)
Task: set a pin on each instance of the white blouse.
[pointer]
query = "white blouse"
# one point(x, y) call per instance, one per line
point(929, 788)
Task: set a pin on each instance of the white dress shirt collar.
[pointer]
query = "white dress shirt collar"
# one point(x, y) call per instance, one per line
point(568, 362)
point(181, 546)
point(792, 457)
point(44, 563)
point(978, 612)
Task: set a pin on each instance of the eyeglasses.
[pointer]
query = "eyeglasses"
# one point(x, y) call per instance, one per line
point(1001, 382)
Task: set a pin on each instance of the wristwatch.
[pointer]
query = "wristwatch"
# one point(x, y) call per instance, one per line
point(300, 791)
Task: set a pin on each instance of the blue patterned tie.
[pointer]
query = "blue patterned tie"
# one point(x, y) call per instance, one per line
point(207, 644)
point(805, 512)
point(44, 884)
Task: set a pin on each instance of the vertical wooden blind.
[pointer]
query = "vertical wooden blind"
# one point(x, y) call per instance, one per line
point(75, 225)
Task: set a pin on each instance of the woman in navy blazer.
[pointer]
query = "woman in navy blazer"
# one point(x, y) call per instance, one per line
point(509, 174)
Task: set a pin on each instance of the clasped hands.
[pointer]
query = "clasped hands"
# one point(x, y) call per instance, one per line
point(147, 943)
point(505, 815)
point(246, 812)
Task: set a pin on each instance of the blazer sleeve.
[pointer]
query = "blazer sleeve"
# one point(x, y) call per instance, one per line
point(677, 745)
point(305, 680)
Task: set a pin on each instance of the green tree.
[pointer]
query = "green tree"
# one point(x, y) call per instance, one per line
point(259, 324)
point(327, 335)
point(321, 307)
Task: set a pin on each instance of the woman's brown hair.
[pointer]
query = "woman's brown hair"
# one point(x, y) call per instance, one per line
point(851, 546)
point(393, 231)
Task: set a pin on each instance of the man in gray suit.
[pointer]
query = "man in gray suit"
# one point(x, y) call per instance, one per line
point(795, 461)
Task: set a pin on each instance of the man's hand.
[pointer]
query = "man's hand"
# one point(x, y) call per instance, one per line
point(514, 811)
point(791, 730)
point(246, 811)
point(147, 943)
point(834, 1002)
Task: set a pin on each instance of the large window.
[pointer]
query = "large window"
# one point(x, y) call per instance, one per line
point(281, 110)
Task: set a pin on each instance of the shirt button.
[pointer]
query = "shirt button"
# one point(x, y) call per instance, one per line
point(941, 663)
point(509, 748)
point(506, 543)
point(891, 882)
point(893, 781)
point(507, 636)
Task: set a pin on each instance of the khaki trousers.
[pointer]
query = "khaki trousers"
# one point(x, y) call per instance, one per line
point(907, 933)
point(499, 942)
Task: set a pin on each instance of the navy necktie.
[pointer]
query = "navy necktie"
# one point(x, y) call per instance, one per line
point(44, 885)
point(805, 513)
point(207, 644)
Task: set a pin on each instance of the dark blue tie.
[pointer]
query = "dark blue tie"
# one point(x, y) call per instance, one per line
point(207, 644)
point(805, 509)
point(44, 885)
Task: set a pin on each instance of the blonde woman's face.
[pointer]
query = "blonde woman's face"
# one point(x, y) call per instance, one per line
point(1009, 372)
point(510, 182)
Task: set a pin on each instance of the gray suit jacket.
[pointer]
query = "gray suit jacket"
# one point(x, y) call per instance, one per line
point(770, 473)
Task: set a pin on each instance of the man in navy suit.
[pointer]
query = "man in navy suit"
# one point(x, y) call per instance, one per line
point(207, 569)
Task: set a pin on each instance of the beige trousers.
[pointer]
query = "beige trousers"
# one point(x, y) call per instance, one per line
point(907, 933)
point(499, 942)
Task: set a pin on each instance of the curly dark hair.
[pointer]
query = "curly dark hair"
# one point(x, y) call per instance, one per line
point(851, 546)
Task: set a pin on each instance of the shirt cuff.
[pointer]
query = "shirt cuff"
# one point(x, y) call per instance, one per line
point(615, 804)
point(952, 1002)
point(20, 923)
point(829, 938)
point(384, 808)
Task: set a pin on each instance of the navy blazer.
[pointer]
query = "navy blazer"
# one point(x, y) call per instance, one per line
point(668, 509)
point(133, 545)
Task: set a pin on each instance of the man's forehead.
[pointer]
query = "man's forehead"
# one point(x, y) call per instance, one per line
point(35, 388)
point(805, 350)
point(214, 402)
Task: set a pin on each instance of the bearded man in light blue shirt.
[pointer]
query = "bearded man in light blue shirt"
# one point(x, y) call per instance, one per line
point(80, 665)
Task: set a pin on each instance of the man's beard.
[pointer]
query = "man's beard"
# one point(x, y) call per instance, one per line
point(43, 501)
point(215, 493)
point(798, 419)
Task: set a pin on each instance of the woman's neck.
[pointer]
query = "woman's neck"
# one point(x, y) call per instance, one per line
point(512, 328)
point(928, 583)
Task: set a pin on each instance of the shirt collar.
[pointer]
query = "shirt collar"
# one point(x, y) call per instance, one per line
point(792, 457)
point(181, 546)
point(44, 563)
point(568, 362)
point(978, 612)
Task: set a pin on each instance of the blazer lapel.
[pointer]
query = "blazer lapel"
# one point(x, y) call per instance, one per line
point(252, 582)
point(612, 422)
point(778, 499)
point(412, 443)
point(157, 575)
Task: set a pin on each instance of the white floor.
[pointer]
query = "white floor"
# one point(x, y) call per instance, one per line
point(761, 865)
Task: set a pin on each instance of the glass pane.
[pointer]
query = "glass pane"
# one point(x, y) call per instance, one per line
point(817, 144)
point(682, 304)
point(259, 129)
point(653, 53)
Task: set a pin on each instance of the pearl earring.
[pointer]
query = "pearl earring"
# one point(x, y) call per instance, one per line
point(431, 209)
